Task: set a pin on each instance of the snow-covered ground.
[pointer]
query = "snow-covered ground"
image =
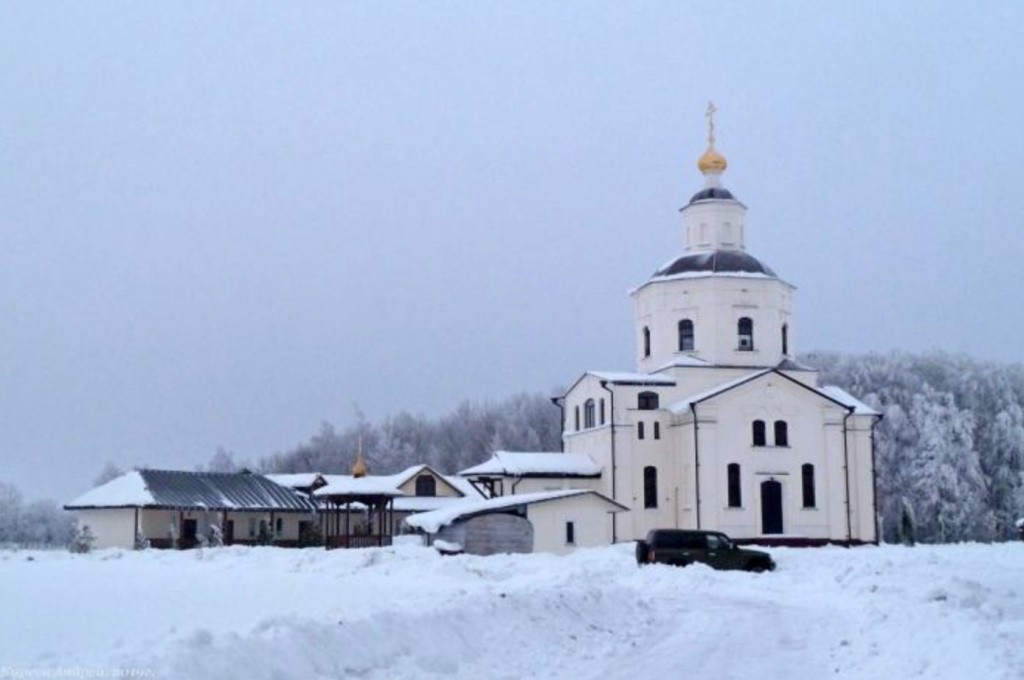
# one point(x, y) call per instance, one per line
point(254, 613)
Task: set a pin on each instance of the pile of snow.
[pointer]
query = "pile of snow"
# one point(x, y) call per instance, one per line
point(942, 613)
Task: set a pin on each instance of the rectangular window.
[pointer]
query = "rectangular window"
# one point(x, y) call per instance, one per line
point(657, 430)
point(570, 533)
point(807, 472)
point(602, 411)
point(640, 430)
point(252, 527)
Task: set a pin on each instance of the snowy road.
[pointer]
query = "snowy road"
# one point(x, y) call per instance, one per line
point(890, 612)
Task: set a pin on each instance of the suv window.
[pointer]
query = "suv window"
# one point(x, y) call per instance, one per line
point(677, 540)
point(718, 542)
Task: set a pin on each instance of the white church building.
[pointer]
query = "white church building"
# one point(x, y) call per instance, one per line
point(719, 427)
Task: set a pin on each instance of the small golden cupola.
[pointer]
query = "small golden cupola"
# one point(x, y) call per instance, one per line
point(359, 468)
point(712, 162)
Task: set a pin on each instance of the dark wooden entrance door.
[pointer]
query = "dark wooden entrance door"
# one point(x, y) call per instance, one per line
point(229, 532)
point(771, 507)
point(189, 528)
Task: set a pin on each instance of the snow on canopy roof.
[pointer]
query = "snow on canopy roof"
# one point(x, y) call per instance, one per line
point(847, 399)
point(347, 485)
point(431, 522)
point(463, 485)
point(200, 490)
point(633, 378)
point(296, 480)
point(535, 464)
point(127, 491)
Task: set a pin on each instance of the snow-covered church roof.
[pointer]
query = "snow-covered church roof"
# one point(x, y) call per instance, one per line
point(830, 392)
point(535, 464)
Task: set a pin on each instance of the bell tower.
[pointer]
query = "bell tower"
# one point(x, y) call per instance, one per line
point(715, 304)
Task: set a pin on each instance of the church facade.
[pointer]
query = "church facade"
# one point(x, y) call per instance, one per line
point(718, 427)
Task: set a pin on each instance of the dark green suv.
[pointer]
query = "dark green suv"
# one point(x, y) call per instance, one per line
point(680, 547)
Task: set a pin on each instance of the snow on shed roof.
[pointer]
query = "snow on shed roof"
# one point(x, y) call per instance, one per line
point(844, 397)
point(536, 464)
point(184, 489)
point(432, 521)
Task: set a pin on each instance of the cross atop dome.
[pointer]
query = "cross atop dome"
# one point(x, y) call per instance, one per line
point(712, 164)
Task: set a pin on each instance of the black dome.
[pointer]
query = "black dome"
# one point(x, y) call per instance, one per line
point(715, 262)
point(712, 192)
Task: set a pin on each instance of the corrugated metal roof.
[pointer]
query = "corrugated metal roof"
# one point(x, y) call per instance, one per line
point(220, 491)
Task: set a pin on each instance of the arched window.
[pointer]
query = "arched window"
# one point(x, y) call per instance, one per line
point(759, 439)
point(589, 413)
point(785, 340)
point(640, 430)
point(647, 341)
point(745, 330)
point(735, 493)
point(781, 433)
point(657, 430)
point(650, 487)
point(647, 401)
point(426, 486)
point(602, 412)
point(577, 410)
point(807, 472)
point(685, 335)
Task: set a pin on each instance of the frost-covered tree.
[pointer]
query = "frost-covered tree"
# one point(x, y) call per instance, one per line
point(952, 439)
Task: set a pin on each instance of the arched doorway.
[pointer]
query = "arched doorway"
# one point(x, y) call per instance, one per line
point(771, 507)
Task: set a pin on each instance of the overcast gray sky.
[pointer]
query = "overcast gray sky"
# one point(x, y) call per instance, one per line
point(222, 223)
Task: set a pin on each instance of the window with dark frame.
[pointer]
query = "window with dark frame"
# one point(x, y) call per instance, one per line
point(759, 433)
point(657, 430)
point(650, 487)
point(781, 433)
point(570, 533)
point(785, 340)
point(602, 412)
point(589, 414)
point(735, 492)
point(745, 332)
point(647, 401)
point(807, 473)
point(685, 335)
point(647, 341)
point(640, 430)
point(577, 410)
point(426, 485)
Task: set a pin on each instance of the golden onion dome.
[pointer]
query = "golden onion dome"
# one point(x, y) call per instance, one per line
point(359, 467)
point(711, 161)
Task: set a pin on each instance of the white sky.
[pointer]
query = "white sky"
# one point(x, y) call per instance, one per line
point(222, 224)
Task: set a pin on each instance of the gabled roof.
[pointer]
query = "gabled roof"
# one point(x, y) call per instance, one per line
point(684, 405)
point(535, 464)
point(197, 490)
point(844, 397)
point(431, 522)
point(633, 378)
point(831, 393)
